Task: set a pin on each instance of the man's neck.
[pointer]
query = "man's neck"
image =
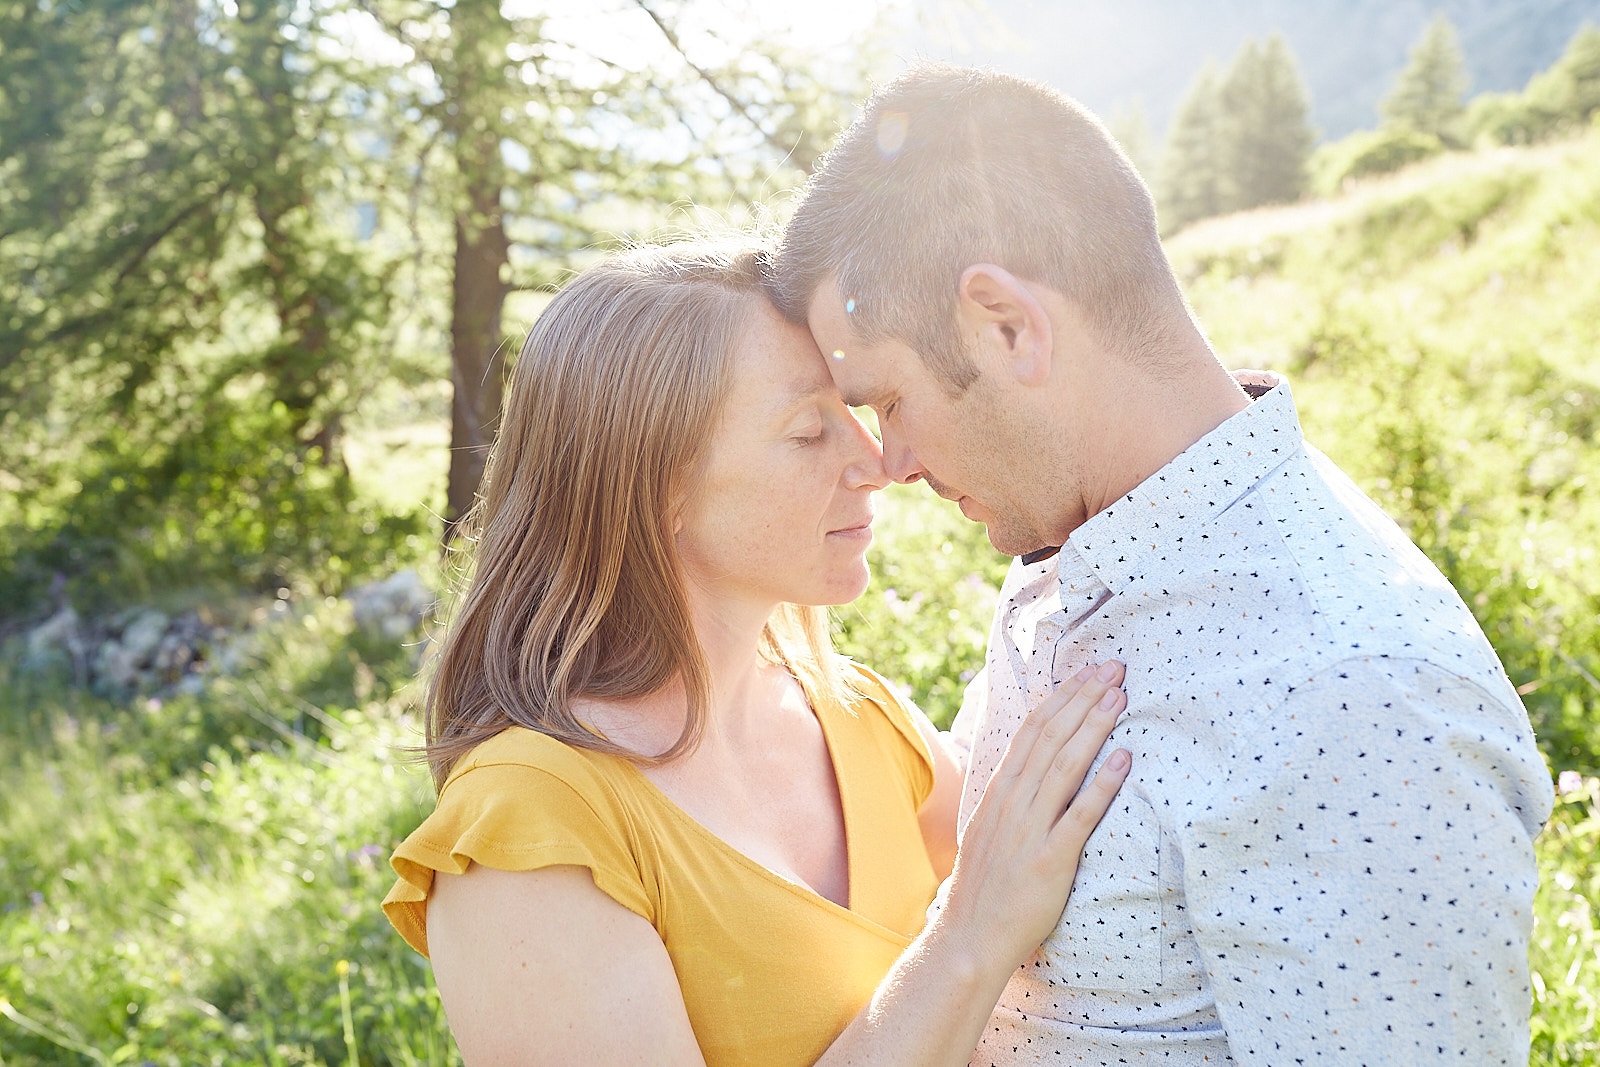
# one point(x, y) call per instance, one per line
point(1149, 420)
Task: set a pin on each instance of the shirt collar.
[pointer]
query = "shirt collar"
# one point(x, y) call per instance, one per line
point(1139, 531)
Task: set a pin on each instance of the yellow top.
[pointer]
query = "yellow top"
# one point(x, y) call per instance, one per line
point(770, 971)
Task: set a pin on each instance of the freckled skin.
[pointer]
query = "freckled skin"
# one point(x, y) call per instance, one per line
point(781, 481)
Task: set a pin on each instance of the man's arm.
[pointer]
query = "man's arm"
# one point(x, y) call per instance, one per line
point(1360, 876)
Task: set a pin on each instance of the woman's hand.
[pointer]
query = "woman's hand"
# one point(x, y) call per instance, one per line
point(1019, 853)
point(1013, 873)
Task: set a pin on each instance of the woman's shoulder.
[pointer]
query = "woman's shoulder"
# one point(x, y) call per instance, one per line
point(867, 690)
point(519, 801)
point(520, 753)
point(887, 711)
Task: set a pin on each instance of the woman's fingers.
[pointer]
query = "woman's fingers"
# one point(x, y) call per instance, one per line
point(1020, 850)
point(1072, 832)
point(1071, 761)
point(1062, 717)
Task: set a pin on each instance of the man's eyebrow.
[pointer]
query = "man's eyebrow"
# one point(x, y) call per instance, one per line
point(871, 398)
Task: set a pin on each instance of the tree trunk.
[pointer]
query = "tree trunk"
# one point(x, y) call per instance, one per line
point(474, 80)
point(477, 369)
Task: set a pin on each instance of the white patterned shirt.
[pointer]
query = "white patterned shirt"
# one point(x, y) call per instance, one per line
point(1324, 851)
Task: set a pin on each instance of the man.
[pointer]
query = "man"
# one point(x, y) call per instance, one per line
point(1323, 854)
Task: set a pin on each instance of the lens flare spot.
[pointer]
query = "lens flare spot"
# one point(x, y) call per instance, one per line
point(850, 306)
point(838, 355)
point(892, 128)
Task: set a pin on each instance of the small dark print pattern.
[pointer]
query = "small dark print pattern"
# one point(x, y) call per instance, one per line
point(1323, 853)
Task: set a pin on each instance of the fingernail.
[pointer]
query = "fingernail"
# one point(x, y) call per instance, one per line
point(1109, 701)
point(1107, 671)
point(1085, 674)
point(1118, 760)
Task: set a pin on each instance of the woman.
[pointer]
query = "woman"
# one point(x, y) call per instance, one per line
point(673, 827)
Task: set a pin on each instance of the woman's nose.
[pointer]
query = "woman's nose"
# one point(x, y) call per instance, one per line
point(866, 469)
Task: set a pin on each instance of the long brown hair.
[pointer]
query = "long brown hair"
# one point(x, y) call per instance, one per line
point(574, 586)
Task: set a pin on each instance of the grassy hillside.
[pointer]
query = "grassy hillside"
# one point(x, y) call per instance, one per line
point(1442, 333)
point(194, 878)
point(1441, 329)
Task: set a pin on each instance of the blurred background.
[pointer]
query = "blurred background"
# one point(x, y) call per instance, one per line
point(264, 265)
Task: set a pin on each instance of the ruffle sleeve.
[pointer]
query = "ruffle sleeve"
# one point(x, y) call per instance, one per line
point(514, 816)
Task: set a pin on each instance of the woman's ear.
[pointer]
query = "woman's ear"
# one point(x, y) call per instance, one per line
point(1008, 319)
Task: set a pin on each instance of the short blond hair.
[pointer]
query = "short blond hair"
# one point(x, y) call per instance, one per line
point(951, 166)
point(575, 587)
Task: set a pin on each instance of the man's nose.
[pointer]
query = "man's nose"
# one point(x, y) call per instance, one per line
point(898, 459)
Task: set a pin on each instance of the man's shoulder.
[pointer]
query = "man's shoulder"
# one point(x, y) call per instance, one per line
point(1369, 590)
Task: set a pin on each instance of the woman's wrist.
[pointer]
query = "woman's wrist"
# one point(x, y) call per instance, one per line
point(956, 943)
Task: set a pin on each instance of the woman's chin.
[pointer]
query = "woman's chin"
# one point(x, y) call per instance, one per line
point(842, 588)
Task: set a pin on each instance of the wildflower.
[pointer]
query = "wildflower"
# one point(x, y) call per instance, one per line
point(1569, 782)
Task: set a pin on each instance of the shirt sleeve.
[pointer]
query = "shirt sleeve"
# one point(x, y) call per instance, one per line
point(1361, 878)
point(513, 817)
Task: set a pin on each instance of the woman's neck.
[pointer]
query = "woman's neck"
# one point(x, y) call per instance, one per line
point(729, 633)
point(739, 677)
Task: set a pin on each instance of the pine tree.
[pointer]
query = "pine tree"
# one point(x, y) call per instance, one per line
point(1191, 184)
point(1427, 96)
point(1131, 129)
point(1266, 138)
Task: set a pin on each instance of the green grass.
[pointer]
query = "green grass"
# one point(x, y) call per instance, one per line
point(180, 880)
point(1442, 333)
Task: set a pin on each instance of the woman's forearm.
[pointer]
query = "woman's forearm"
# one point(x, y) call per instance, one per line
point(930, 1010)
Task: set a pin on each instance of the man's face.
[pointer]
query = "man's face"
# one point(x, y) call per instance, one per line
point(959, 445)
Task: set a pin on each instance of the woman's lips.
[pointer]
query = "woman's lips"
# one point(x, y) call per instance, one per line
point(860, 532)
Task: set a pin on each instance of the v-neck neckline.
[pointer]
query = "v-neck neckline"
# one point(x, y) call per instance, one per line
point(823, 710)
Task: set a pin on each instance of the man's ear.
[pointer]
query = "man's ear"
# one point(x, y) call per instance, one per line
point(1008, 319)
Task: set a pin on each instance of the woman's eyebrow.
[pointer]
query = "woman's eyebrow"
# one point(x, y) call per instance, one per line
point(793, 396)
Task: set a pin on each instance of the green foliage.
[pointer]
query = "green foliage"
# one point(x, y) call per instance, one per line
point(1426, 96)
point(1266, 133)
point(1565, 953)
point(924, 621)
point(180, 879)
point(1192, 179)
point(190, 314)
point(1240, 139)
point(224, 497)
point(1366, 153)
point(1440, 334)
point(1556, 102)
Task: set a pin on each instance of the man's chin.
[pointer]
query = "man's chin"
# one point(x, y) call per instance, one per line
point(1006, 541)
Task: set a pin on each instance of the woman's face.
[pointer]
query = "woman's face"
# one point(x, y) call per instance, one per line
point(781, 507)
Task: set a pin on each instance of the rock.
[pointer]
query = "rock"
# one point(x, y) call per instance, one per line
point(144, 634)
point(191, 683)
point(236, 652)
point(173, 656)
point(392, 607)
point(116, 666)
point(58, 641)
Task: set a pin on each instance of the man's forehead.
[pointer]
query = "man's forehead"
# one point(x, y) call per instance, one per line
point(829, 311)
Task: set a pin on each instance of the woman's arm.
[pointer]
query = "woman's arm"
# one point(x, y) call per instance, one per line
point(1012, 876)
point(541, 967)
